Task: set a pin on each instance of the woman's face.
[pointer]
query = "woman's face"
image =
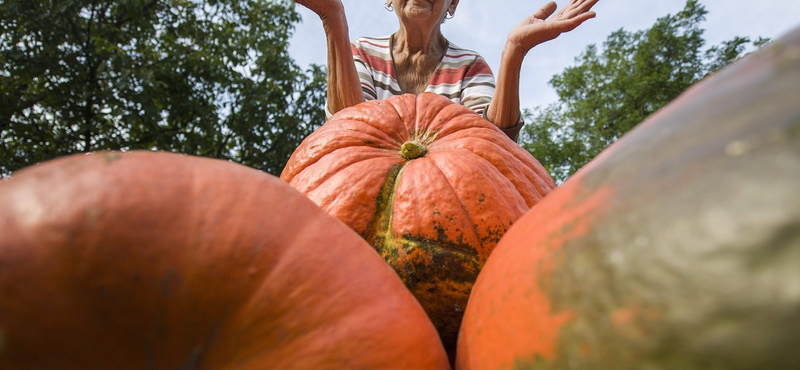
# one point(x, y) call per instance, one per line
point(432, 11)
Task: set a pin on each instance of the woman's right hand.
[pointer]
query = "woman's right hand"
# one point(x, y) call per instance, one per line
point(344, 87)
point(323, 8)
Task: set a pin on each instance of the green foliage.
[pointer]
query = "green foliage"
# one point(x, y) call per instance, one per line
point(612, 89)
point(203, 77)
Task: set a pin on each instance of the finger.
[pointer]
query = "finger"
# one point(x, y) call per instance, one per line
point(579, 7)
point(546, 11)
point(573, 23)
point(570, 6)
point(585, 3)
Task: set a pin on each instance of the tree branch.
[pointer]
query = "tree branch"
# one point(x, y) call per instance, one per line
point(129, 16)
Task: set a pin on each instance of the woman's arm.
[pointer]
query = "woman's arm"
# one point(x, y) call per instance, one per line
point(344, 87)
point(504, 110)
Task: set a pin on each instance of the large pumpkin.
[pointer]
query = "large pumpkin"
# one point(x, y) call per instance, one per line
point(158, 261)
point(430, 184)
point(677, 248)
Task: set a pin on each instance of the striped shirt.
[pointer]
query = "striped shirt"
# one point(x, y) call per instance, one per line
point(462, 75)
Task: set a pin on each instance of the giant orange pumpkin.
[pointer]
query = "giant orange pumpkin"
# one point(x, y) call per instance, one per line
point(158, 261)
point(430, 184)
point(677, 248)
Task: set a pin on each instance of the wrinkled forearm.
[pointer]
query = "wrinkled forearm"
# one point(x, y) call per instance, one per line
point(504, 110)
point(344, 87)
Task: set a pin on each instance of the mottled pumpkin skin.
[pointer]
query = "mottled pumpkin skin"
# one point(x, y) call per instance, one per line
point(677, 248)
point(430, 184)
point(159, 261)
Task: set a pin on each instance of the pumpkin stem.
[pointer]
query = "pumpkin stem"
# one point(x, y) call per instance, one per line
point(413, 149)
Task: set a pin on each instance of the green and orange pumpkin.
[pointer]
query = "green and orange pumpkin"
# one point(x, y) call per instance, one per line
point(676, 248)
point(428, 183)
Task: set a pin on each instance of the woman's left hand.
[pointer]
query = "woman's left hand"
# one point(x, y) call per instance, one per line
point(540, 27)
point(503, 111)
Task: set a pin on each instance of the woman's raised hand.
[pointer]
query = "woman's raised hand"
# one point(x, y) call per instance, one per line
point(323, 8)
point(344, 87)
point(541, 27)
point(534, 30)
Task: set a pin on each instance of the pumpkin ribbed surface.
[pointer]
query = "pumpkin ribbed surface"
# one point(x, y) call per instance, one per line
point(430, 184)
point(159, 261)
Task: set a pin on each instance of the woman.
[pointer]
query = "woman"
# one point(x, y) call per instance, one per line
point(417, 57)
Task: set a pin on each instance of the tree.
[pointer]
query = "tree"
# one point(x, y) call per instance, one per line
point(203, 77)
point(611, 90)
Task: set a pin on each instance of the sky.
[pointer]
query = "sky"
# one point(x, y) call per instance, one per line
point(483, 25)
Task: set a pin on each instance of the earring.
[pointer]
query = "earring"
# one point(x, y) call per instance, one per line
point(449, 15)
point(389, 7)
